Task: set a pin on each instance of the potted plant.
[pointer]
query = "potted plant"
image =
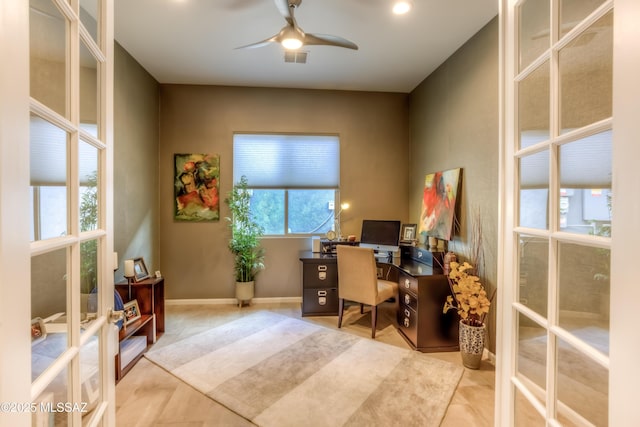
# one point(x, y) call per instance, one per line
point(244, 243)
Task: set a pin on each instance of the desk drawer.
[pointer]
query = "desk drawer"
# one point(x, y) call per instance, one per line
point(408, 284)
point(408, 299)
point(320, 302)
point(408, 323)
point(319, 275)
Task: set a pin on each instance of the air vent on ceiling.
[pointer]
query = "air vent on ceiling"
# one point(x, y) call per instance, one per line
point(298, 57)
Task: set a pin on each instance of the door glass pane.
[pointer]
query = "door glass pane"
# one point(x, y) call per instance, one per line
point(48, 166)
point(311, 211)
point(584, 293)
point(585, 180)
point(533, 267)
point(48, 83)
point(48, 412)
point(574, 11)
point(89, 110)
point(51, 214)
point(89, 12)
point(267, 208)
point(48, 308)
point(89, 197)
point(534, 35)
point(533, 107)
point(88, 274)
point(525, 415)
point(90, 379)
point(583, 388)
point(534, 190)
point(532, 355)
point(586, 76)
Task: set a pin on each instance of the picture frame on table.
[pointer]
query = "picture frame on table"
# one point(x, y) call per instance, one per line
point(140, 271)
point(408, 233)
point(131, 311)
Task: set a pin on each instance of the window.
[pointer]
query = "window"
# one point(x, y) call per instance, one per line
point(294, 180)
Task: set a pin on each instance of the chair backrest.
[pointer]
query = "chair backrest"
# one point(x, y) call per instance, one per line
point(357, 274)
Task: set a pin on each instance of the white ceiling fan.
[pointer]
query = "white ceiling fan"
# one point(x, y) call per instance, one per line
point(292, 37)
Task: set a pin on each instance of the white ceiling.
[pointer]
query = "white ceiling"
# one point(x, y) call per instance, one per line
point(193, 41)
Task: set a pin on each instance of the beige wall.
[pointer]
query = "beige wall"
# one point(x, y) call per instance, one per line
point(454, 124)
point(136, 225)
point(374, 134)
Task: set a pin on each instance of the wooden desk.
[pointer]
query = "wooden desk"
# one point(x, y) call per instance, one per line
point(422, 291)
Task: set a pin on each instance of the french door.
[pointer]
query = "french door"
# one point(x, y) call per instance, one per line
point(57, 227)
point(569, 218)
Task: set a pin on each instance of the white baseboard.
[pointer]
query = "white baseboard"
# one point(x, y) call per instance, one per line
point(231, 301)
point(491, 357)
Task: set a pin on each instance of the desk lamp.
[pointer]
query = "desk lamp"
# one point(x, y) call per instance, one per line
point(343, 206)
point(129, 273)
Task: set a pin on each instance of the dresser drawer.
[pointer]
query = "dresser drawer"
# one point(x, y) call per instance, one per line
point(408, 284)
point(408, 323)
point(408, 299)
point(319, 275)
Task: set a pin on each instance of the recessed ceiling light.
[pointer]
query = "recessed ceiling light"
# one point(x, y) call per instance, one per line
point(401, 7)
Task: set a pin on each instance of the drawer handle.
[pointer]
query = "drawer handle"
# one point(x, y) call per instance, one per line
point(322, 293)
point(407, 283)
point(406, 322)
point(407, 313)
point(407, 299)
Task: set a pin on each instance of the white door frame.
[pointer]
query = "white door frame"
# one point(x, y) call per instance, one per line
point(15, 277)
point(625, 287)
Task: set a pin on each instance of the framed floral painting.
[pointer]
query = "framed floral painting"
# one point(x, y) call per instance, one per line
point(439, 203)
point(196, 187)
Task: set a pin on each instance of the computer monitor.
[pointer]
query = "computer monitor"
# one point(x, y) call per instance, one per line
point(381, 235)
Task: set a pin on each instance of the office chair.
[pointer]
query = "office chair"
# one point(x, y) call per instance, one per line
point(358, 281)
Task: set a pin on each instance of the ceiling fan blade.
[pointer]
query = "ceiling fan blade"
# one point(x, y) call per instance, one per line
point(285, 7)
point(260, 43)
point(328, 40)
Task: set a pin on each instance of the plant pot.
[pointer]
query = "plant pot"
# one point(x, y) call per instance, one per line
point(471, 340)
point(244, 292)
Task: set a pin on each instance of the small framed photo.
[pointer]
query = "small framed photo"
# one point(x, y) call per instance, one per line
point(140, 271)
point(131, 311)
point(38, 330)
point(408, 233)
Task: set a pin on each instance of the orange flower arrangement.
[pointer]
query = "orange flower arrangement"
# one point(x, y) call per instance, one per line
point(471, 299)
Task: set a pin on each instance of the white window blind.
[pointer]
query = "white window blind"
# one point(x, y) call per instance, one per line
point(287, 161)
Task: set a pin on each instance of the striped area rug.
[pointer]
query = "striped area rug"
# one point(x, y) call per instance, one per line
point(279, 371)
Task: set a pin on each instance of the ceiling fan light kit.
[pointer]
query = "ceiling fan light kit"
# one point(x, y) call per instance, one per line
point(292, 37)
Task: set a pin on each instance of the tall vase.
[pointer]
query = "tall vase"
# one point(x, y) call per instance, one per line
point(471, 344)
